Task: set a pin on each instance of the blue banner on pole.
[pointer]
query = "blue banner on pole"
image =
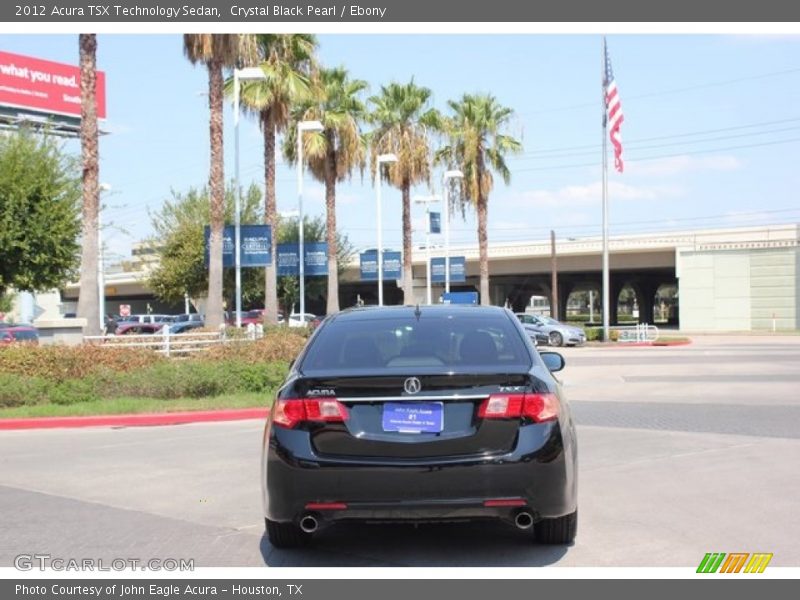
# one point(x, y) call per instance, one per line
point(392, 265)
point(458, 269)
point(316, 259)
point(256, 245)
point(435, 222)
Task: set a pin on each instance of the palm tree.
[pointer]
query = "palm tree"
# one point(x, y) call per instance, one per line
point(287, 61)
point(335, 151)
point(88, 303)
point(215, 51)
point(403, 121)
point(476, 146)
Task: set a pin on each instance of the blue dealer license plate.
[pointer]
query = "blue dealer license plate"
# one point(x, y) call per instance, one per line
point(413, 417)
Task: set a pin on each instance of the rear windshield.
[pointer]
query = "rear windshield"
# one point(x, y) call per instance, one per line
point(477, 342)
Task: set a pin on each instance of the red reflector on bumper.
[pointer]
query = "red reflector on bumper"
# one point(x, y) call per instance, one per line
point(505, 502)
point(326, 506)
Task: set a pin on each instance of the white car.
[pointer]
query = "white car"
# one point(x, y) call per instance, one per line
point(301, 319)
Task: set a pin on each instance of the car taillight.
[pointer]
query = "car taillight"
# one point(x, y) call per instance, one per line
point(292, 412)
point(536, 407)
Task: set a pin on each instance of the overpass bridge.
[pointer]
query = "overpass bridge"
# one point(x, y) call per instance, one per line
point(726, 279)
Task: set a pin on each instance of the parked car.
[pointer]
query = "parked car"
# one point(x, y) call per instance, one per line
point(316, 322)
point(558, 333)
point(301, 320)
point(182, 318)
point(11, 333)
point(185, 326)
point(149, 319)
point(133, 328)
point(537, 336)
point(417, 414)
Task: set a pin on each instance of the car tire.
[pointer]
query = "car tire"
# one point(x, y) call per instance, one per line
point(555, 339)
point(561, 530)
point(286, 535)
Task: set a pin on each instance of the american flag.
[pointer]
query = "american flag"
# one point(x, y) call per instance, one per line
point(613, 116)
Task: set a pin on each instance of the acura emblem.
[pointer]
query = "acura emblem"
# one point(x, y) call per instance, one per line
point(412, 385)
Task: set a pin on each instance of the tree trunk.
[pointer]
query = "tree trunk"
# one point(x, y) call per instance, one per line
point(330, 229)
point(270, 214)
point(483, 246)
point(214, 317)
point(408, 275)
point(88, 301)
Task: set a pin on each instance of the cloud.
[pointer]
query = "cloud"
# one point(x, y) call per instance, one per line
point(683, 164)
point(584, 195)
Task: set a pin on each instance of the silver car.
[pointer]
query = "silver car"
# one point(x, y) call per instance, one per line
point(556, 332)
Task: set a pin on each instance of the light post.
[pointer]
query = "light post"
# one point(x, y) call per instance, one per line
point(427, 201)
point(382, 158)
point(101, 283)
point(239, 75)
point(448, 175)
point(301, 127)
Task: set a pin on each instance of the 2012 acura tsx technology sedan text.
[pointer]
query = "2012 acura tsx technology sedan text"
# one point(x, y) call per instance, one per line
point(434, 413)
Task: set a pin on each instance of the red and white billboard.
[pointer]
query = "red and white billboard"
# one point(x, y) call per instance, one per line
point(45, 86)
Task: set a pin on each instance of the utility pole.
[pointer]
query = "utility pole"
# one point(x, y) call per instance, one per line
point(553, 276)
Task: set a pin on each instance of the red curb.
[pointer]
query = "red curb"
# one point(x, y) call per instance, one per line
point(142, 420)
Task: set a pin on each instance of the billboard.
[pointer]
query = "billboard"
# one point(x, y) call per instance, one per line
point(316, 259)
point(392, 265)
point(45, 86)
point(458, 270)
point(256, 245)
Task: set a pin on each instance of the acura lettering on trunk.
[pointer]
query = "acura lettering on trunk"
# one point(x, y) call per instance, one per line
point(416, 415)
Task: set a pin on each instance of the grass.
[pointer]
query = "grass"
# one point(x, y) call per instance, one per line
point(127, 405)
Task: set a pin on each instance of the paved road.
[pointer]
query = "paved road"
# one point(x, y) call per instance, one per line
point(683, 451)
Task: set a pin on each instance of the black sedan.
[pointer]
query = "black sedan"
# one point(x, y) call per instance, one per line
point(420, 414)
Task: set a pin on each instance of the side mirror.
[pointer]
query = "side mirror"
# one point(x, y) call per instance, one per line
point(553, 361)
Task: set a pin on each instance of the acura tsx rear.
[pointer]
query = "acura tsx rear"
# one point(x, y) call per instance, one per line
point(434, 413)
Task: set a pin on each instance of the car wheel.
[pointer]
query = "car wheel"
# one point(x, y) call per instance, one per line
point(286, 535)
point(556, 339)
point(561, 530)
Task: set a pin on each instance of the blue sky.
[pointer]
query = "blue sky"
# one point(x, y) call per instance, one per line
point(742, 91)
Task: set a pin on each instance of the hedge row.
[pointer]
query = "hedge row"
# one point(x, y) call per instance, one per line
point(165, 380)
point(32, 375)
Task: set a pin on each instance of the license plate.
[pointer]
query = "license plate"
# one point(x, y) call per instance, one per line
point(413, 417)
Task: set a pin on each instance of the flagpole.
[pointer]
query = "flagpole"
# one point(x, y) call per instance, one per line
point(606, 287)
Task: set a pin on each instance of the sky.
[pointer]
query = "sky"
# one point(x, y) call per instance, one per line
point(711, 133)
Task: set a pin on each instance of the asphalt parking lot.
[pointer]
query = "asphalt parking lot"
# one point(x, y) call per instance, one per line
point(683, 450)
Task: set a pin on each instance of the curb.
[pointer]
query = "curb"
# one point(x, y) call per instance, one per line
point(141, 420)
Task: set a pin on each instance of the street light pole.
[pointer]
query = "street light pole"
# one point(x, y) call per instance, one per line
point(427, 201)
point(237, 209)
point(452, 174)
point(238, 76)
point(383, 158)
point(301, 127)
point(101, 283)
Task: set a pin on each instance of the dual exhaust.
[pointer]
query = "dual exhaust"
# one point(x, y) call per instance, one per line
point(522, 520)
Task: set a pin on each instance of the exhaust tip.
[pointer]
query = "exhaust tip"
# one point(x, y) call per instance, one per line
point(309, 524)
point(523, 520)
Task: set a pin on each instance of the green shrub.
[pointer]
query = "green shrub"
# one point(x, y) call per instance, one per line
point(74, 391)
point(593, 334)
point(59, 363)
point(16, 390)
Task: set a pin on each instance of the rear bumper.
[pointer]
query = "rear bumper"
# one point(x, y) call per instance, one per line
point(539, 474)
